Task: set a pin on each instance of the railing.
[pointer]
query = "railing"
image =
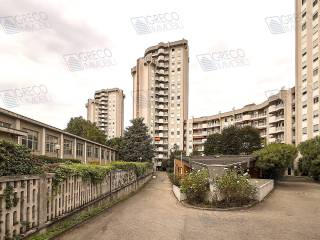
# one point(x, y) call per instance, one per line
point(30, 202)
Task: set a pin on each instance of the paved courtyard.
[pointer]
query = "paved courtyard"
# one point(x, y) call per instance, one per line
point(291, 212)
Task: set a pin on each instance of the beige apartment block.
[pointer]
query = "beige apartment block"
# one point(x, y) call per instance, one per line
point(43, 139)
point(106, 110)
point(160, 94)
point(273, 118)
point(307, 70)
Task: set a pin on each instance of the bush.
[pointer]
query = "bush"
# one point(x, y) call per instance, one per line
point(275, 158)
point(42, 159)
point(309, 163)
point(196, 185)
point(140, 168)
point(16, 160)
point(234, 189)
point(175, 179)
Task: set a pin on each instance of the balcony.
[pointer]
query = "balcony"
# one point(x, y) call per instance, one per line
point(274, 108)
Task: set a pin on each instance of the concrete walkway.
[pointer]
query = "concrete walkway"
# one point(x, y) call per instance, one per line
point(291, 212)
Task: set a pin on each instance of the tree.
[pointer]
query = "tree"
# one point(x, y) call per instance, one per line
point(213, 145)
point(233, 141)
point(174, 153)
point(309, 164)
point(83, 128)
point(275, 158)
point(250, 139)
point(137, 143)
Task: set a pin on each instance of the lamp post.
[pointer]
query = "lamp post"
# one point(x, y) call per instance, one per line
point(57, 148)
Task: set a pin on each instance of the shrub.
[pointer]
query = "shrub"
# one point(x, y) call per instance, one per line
point(309, 163)
point(16, 160)
point(195, 185)
point(175, 179)
point(140, 168)
point(42, 159)
point(275, 158)
point(234, 189)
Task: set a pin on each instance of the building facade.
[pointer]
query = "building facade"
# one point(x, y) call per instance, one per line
point(160, 94)
point(106, 110)
point(307, 70)
point(274, 118)
point(43, 139)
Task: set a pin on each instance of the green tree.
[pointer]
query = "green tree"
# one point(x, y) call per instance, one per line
point(83, 128)
point(174, 153)
point(309, 163)
point(250, 139)
point(275, 158)
point(214, 144)
point(231, 140)
point(137, 143)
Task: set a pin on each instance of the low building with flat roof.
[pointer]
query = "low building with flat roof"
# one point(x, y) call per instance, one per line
point(43, 139)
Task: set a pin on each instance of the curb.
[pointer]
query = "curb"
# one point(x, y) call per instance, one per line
point(245, 207)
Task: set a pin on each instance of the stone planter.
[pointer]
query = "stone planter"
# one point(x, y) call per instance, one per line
point(178, 194)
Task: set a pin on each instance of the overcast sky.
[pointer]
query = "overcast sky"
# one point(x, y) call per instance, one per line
point(34, 58)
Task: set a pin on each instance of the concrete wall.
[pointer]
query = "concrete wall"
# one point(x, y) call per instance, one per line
point(177, 192)
point(264, 187)
point(35, 204)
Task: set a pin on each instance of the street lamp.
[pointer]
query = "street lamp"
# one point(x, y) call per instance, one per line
point(57, 148)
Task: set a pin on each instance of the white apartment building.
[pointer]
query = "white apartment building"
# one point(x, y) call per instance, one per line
point(160, 94)
point(106, 110)
point(307, 69)
point(274, 118)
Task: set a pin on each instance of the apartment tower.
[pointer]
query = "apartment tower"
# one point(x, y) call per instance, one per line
point(160, 94)
point(307, 69)
point(106, 110)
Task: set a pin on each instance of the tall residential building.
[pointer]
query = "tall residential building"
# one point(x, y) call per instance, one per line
point(160, 94)
point(106, 110)
point(307, 69)
point(274, 119)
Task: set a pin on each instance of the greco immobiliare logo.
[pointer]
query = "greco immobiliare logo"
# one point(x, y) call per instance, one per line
point(157, 23)
point(28, 22)
point(91, 59)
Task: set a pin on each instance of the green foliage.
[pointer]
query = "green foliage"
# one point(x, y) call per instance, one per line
point(16, 160)
point(195, 185)
point(275, 158)
point(11, 198)
point(90, 173)
point(174, 153)
point(83, 128)
point(251, 140)
point(137, 144)
point(175, 179)
point(140, 168)
point(234, 189)
point(309, 163)
point(213, 145)
point(233, 141)
point(42, 159)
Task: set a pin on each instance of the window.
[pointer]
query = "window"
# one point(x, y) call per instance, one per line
point(304, 117)
point(303, 2)
point(304, 130)
point(304, 26)
point(315, 16)
point(316, 100)
point(315, 72)
point(316, 128)
point(67, 147)
point(4, 124)
point(30, 141)
point(315, 114)
point(89, 151)
point(102, 153)
point(51, 142)
point(79, 149)
point(314, 3)
point(96, 152)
